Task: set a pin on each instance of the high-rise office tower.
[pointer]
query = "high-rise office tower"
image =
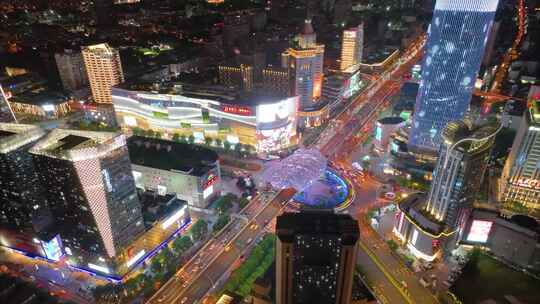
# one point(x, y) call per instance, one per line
point(460, 168)
point(71, 68)
point(276, 80)
point(455, 45)
point(240, 76)
point(104, 70)
point(520, 180)
point(315, 257)
point(305, 62)
point(352, 45)
point(90, 190)
point(21, 198)
point(6, 114)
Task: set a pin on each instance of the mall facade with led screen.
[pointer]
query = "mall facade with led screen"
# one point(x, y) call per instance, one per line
point(267, 123)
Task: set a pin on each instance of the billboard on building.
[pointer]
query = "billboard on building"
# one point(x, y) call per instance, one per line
point(479, 231)
point(276, 124)
point(53, 248)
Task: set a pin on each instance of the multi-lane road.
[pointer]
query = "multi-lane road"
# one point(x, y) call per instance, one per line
point(212, 263)
point(198, 277)
point(392, 282)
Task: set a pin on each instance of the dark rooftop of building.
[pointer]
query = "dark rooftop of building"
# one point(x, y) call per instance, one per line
point(171, 156)
point(391, 120)
point(379, 55)
point(158, 207)
point(41, 98)
point(70, 142)
point(320, 222)
point(6, 133)
point(215, 92)
point(526, 222)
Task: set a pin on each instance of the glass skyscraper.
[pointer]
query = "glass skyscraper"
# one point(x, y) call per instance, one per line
point(456, 40)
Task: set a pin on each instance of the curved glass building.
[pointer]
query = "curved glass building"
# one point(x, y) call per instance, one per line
point(456, 40)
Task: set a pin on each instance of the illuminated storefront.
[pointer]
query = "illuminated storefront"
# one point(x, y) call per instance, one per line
point(383, 129)
point(423, 237)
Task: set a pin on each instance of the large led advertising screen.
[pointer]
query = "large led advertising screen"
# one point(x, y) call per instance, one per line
point(53, 248)
point(276, 124)
point(276, 111)
point(479, 231)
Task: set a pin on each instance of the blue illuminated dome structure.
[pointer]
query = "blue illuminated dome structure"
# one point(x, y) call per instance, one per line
point(456, 41)
point(306, 171)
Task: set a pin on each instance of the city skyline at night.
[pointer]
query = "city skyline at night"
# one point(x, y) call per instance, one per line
point(269, 152)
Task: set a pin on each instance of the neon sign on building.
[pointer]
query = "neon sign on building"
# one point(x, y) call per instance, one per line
point(528, 183)
point(238, 110)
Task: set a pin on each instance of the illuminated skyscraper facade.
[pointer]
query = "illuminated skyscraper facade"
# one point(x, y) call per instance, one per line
point(352, 45)
point(90, 191)
point(104, 70)
point(21, 201)
point(520, 181)
point(276, 80)
point(305, 62)
point(6, 114)
point(456, 40)
point(462, 162)
point(315, 257)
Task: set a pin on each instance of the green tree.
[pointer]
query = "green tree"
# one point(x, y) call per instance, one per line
point(218, 142)
point(224, 204)
point(158, 134)
point(150, 133)
point(138, 131)
point(132, 285)
point(392, 244)
point(221, 222)
point(167, 259)
point(182, 244)
point(182, 139)
point(176, 137)
point(226, 145)
point(208, 141)
point(238, 148)
point(199, 229)
point(156, 265)
point(242, 203)
point(191, 139)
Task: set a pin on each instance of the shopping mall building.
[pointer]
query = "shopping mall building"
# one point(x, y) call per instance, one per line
point(267, 123)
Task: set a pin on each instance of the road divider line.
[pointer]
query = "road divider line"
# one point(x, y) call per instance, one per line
point(392, 280)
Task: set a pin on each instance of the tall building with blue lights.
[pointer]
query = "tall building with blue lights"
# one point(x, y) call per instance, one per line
point(456, 40)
